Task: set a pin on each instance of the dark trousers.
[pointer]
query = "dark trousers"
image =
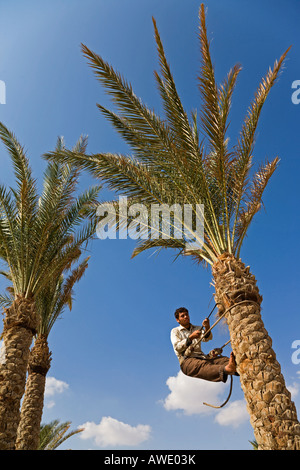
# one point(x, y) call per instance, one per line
point(206, 369)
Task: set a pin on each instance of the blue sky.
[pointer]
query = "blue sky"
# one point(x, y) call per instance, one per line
point(113, 368)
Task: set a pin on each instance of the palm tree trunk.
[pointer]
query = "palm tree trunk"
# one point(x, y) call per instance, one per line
point(19, 326)
point(32, 407)
point(272, 413)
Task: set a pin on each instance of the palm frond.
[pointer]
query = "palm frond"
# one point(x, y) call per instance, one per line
point(158, 244)
point(6, 300)
point(245, 145)
point(24, 179)
point(145, 121)
point(176, 115)
point(52, 435)
point(216, 104)
point(25, 194)
point(39, 235)
point(57, 295)
point(254, 200)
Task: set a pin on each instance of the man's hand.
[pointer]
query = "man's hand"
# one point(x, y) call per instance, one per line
point(206, 324)
point(195, 334)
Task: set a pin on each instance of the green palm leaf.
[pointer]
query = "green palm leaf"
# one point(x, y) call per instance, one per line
point(52, 435)
point(40, 236)
point(172, 163)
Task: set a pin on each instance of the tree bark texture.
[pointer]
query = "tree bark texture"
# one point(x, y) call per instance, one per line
point(272, 413)
point(32, 407)
point(19, 326)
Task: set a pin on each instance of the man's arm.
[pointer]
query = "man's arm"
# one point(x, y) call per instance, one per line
point(180, 344)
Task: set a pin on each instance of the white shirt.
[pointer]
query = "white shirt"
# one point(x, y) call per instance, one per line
point(179, 337)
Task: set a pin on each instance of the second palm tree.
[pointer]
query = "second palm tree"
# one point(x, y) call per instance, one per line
point(39, 239)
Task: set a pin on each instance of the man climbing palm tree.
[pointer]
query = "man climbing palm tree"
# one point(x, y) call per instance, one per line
point(173, 163)
point(187, 346)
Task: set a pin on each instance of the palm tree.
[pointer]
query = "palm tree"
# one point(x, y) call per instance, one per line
point(39, 239)
point(52, 435)
point(170, 165)
point(50, 304)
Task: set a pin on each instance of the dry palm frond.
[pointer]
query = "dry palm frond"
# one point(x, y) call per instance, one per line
point(254, 200)
point(58, 294)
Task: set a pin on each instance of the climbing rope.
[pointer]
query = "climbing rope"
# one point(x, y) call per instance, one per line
point(227, 399)
point(218, 351)
point(191, 347)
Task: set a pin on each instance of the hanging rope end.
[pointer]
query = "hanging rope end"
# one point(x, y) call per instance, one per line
point(227, 399)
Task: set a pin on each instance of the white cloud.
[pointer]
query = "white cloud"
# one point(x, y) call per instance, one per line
point(53, 387)
point(294, 389)
point(233, 414)
point(111, 432)
point(50, 404)
point(188, 394)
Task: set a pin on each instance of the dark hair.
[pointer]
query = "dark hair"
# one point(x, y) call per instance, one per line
point(180, 310)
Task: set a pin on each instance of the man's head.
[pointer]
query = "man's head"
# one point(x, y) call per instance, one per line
point(182, 316)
